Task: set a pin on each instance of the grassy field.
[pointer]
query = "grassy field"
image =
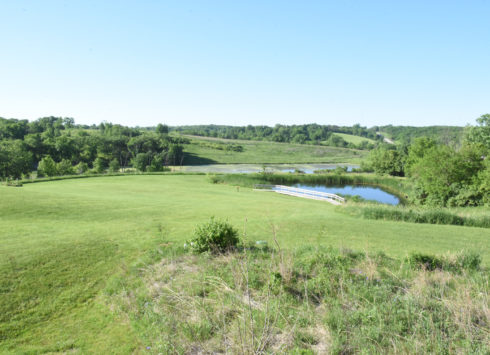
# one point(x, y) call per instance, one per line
point(349, 138)
point(200, 151)
point(64, 243)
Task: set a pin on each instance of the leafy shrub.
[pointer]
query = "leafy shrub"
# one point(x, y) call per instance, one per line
point(429, 262)
point(215, 236)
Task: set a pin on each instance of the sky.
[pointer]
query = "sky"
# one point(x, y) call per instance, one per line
point(140, 63)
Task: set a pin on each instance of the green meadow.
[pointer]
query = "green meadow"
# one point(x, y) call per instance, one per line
point(201, 151)
point(350, 138)
point(64, 245)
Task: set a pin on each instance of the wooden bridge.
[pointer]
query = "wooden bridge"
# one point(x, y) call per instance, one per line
point(294, 191)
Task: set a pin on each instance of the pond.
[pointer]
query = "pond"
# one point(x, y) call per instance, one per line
point(257, 168)
point(366, 192)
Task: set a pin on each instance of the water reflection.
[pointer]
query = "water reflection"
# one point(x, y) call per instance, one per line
point(366, 192)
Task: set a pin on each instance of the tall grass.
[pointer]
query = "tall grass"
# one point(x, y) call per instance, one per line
point(418, 215)
point(306, 301)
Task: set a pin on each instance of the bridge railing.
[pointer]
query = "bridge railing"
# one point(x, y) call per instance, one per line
point(298, 192)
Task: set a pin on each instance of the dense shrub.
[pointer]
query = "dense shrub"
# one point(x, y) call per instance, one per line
point(216, 236)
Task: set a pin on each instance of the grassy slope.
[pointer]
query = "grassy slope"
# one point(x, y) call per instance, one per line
point(258, 152)
point(349, 138)
point(62, 240)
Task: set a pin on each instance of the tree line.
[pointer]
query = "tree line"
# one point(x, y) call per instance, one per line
point(325, 134)
point(300, 134)
point(56, 146)
point(444, 175)
point(449, 135)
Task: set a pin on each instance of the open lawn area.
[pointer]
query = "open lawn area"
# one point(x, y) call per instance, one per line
point(62, 242)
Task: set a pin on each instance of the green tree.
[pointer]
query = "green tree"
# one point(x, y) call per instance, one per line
point(100, 165)
point(417, 150)
point(81, 168)
point(387, 161)
point(114, 166)
point(175, 154)
point(162, 129)
point(15, 159)
point(157, 163)
point(47, 167)
point(141, 161)
point(64, 167)
point(479, 135)
point(443, 174)
point(35, 146)
point(483, 183)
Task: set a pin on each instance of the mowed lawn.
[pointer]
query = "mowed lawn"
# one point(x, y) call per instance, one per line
point(61, 241)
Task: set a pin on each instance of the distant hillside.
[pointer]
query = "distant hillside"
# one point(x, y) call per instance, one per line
point(443, 134)
point(205, 150)
point(349, 138)
point(300, 134)
point(356, 136)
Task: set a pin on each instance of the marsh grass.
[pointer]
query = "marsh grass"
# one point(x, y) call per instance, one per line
point(419, 215)
point(322, 301)
point(469, 217)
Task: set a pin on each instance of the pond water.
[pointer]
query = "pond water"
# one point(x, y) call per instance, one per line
point(257, 168)
point(366, 192)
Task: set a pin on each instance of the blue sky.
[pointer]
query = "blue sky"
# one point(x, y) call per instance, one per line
point(246, 62)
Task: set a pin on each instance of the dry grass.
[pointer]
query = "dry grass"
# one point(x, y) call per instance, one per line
point(217, 314)
point(314, 301)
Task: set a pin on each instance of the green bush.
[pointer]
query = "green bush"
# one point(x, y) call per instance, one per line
point(215, 236)
point(64, 167)
point(429, 262)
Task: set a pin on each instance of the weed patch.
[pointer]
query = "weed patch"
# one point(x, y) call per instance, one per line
point(330, 301)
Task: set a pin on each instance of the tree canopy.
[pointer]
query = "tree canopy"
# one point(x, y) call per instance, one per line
point(57, 146)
